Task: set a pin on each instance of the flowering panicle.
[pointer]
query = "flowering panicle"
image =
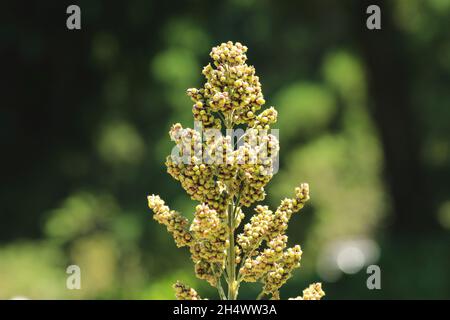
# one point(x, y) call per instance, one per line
point(256, 230)
point(313, 292)
point(175, 223)
point(211, 237)
point(287, 208)
point(226, 173)
point(282, 270)
point(206, 224)
point(184, 292)
point(265, 119)
point(257, 268)
point(205, 270)
point(231, 86)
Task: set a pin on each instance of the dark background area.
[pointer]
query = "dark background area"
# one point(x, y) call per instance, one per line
point(363, 117)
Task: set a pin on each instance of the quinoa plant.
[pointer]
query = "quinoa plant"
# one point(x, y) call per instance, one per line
point(226, 172)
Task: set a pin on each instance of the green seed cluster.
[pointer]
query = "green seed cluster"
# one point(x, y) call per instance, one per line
point(200, 184)
point(282, 270)
point(256, 168)
point(256, 230)
point(265, 119)
point(273, 266)
point(206, 224)
point(231, 87)
point(204, 270)
point(248, 168)
point(212, 251)
point(255, 269)
point(286, 209)
point(184, 292)
point(176, 224)
point(313, 292)
point(219, 154)
point(211, 236)
point(188, 141)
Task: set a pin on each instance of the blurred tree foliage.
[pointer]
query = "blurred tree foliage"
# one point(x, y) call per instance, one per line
point(363, 118)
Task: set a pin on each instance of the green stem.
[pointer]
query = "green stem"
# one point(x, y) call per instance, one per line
point(220, 290)
point(219, 284)
point(261, 295)
point(232, 283)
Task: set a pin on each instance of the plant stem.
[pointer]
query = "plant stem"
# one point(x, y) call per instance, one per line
point(220, 290)
point(261, 295)
point(232, 283)
point(219, 284)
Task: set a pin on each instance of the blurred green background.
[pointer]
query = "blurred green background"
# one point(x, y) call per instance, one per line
point(363, 117)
